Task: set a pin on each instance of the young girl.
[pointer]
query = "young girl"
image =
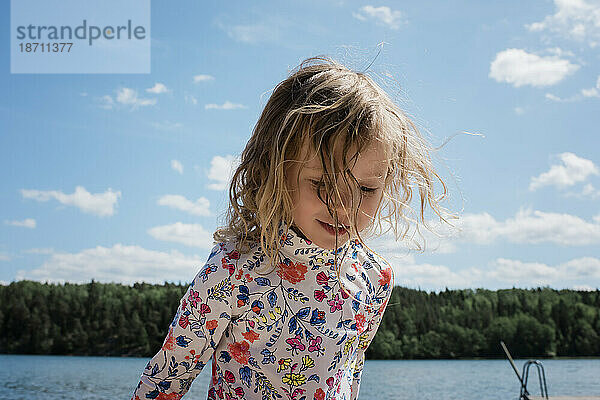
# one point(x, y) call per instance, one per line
point(291, 296)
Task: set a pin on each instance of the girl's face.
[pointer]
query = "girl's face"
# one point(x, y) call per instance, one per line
point(310, 213)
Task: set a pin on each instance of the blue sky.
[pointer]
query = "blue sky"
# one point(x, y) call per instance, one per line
point(120, 177)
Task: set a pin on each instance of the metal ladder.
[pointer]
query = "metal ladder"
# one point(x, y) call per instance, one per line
point(524, 393)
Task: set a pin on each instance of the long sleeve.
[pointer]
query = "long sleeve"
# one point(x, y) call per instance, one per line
point(357, 374)
point(203, 314)
point(367, 337)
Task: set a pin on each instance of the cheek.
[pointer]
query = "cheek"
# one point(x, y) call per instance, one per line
point(369, 205)
point(307, 199)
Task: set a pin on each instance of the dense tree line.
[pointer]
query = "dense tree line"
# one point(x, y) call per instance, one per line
point(118, 320)
point(89, 319)
point(470, 323)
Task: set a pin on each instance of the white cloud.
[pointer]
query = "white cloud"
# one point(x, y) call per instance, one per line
point(203, 78)
point(167, 125)
point(553, 97)
point(500, 273)
point(557, 51)
point(570, 99)
point(592, 92)
point(587, 192)
point(130, 97)
point(193, 235)
point(573, 169)
point(426, 276)
point(191, 99)
point(200, 207)
point(525, 227)
point(100, 204)
point(519, 110)
point(221, 171)
point(225, 106)
point(574, 19)
point(573, 273)
point(106, 102)
point(252, 34)
point(177, 166)
point(120, 263)
point(590, 191)
point(382, 15)
point(4, 256)
point(519, 68)
point(529, 227)
point(157, 88)
point(26, 223)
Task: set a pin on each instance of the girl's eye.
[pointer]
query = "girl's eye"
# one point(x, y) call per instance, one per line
point(366, 189)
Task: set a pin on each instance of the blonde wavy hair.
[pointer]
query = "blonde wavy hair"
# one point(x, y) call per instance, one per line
point(323, 103)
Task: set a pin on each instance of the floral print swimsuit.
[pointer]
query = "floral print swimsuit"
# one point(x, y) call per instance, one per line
point(291, 334)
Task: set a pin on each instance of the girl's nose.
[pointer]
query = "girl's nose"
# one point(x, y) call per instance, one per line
point(342, 200)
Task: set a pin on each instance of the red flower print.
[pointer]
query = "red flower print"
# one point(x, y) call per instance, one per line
point(169, 343)
point(170, 396)
point(212, 324)
point(386, 277)
point(315, 344)
point(214, 371)
point(319, 394)
point(296, 344)
point(240, 351)
point(226, 265)
point(229, 377)
point(194, 298)
point(184, 321)
point(360, 322)
point(322, 278)
point(204, 309)
point(250, 336)
point(239, 391)
point(183, 304)
point(329, 381)
point(239, 274)
point(234, 255)
point(292, 272)
point(320, 295)
point(335, 303)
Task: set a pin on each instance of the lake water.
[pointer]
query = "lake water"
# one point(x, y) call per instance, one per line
point(58, 377)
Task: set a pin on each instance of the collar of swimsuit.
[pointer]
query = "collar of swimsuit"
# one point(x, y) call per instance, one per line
point(295, 248)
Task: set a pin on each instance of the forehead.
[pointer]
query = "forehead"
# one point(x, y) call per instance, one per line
point(371, 162)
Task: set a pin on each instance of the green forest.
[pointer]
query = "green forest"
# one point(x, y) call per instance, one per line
point(119, 320)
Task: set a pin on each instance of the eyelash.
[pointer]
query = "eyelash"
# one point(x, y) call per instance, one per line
point(366, 190)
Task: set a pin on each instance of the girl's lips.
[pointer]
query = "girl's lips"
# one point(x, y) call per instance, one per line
point(331, 230)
